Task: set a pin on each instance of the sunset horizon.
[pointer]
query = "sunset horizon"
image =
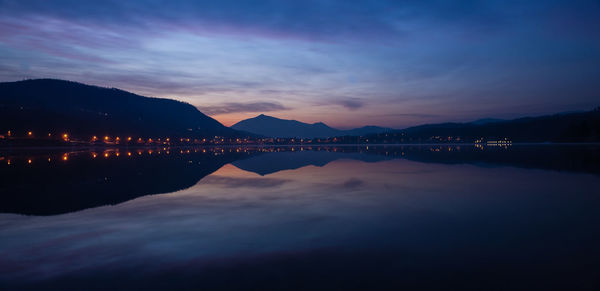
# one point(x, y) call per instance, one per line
point(346, 64)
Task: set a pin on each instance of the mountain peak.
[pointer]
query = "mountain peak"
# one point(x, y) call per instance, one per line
point(275, 127)
point(264, 116)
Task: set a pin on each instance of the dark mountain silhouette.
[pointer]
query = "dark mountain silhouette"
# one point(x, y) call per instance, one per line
point(564, 127)
point(369, 129)
point(54, 106)
point(487, 120)
point(274, 127)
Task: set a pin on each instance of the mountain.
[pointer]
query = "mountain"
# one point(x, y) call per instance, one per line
point(369, 129)
point(45, 106)
point(564, 127)
point(275, 127)
point(487, 120)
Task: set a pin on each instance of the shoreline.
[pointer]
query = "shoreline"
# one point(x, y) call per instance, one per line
point(89, 147)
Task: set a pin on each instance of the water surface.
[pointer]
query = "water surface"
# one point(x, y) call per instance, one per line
point(417, 217)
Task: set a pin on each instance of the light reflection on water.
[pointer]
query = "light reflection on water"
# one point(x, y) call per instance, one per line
point(290, 217)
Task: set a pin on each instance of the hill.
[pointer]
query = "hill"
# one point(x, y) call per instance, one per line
point(44, 106)
point(564, 127)
point(275, 127)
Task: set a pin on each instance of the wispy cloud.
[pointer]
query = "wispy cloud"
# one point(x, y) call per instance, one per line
point(347, 63)
point(233, 107)
point(352, 103)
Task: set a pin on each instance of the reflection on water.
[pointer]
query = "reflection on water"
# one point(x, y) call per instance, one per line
point(302, 218)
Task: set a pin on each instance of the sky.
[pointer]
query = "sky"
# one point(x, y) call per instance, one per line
point(346, 63)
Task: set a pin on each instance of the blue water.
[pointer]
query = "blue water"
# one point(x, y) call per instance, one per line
point(384, 218)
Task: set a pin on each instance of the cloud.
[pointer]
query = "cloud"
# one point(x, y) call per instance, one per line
point(351, 104)
point(427, 58)
point(233, 107)
point(353, 183)
point(308, 20)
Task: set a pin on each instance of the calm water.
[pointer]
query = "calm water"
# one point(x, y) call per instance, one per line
point(418, 217)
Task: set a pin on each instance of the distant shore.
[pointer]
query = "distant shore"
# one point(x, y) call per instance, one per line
point(115, 146)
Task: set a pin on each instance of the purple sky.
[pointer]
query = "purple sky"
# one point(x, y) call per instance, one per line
point(346, 63)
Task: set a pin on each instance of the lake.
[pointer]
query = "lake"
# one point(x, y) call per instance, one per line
point(298, 217)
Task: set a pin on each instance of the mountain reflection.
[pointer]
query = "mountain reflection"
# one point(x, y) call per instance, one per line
point(42, 183)
point(46, 184)
point(572, 158)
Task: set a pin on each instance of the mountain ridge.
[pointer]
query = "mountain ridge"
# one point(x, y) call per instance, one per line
point(270, 126)
point(45, 106)
point(581, 126)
